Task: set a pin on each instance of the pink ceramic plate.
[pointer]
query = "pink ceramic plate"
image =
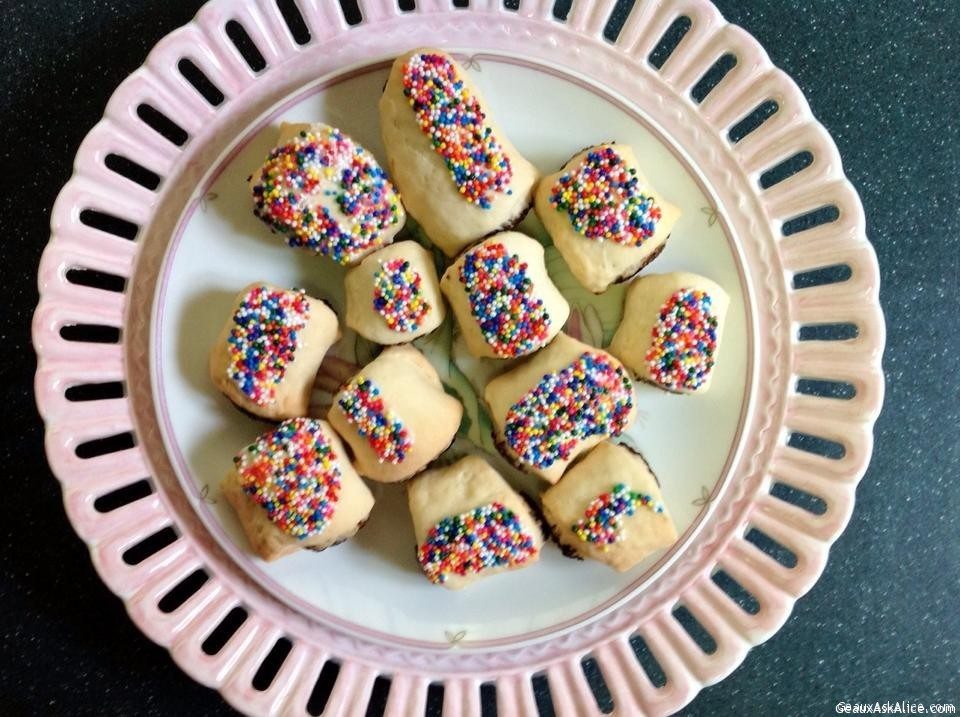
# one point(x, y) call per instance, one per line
point(780, 441)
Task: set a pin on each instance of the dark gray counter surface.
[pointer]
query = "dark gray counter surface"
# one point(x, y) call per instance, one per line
point(883, 623)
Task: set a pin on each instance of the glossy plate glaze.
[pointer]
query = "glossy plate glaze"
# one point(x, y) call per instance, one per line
point(759, 473)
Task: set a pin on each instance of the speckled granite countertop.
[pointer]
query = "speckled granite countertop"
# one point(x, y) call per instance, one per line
point(881, 624)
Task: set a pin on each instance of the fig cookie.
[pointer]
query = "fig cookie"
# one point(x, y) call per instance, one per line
point(395, 415)
point(460, 176)
point(293, 489)
point(393, 296)
point(609, 508)
point(268, 353)
point(604, 218)
point(560, 403)
point(470, 524)
point(326, 193)
point(504, 301)
point(671, 330)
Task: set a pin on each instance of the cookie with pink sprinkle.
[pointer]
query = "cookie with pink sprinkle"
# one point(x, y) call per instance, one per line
point(393, 295)
point(609, 507)
point(293, 488)
point(326, 193)
point(461, 177)
point(604, 217)
point(504, 300)
point(395, 415)
point(671, 330)
point(269, 350)
point(560, 403)
point(470, 524)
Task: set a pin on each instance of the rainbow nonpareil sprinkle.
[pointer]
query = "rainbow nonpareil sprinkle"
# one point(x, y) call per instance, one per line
point(398, 296)
point(318, 175)
point(603, 199)
point(512, 320)
point(602, 522)
point(489, 536)
point(452, 118)
point(681, 355)
point(292, 473)
point(592, 396)
point(364, 409)
point(264, 339)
